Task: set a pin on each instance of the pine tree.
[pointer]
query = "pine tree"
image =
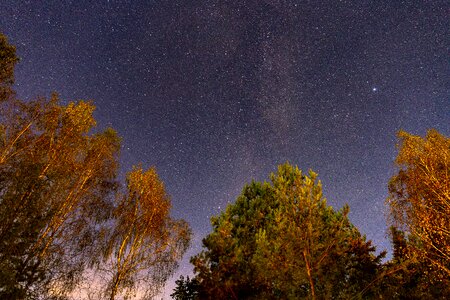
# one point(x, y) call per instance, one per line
point(280, 240)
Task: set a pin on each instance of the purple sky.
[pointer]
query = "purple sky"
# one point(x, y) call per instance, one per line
point(217, 93)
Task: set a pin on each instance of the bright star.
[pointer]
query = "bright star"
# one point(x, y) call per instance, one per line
point(374, 89)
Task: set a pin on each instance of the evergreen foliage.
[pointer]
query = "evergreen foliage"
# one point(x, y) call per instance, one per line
point(280, 240)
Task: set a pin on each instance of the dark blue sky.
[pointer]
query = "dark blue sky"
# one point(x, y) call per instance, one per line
point(217, 93)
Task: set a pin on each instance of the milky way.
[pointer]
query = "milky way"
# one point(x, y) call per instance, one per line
point(217, 93)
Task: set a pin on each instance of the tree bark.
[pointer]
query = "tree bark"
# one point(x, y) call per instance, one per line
point(308, 271)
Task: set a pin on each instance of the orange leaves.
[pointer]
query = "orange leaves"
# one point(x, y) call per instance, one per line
point(145, 243)
point(57, 180)
point(60, 210)
point(78, 117)
point(420, 194)
point(147, 204)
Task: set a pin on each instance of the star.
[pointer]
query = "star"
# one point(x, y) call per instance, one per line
point(213, 101)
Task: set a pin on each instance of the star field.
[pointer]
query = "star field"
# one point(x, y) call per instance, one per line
point(217, 93)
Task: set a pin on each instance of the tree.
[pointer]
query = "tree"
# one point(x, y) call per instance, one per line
point(419, 196)
point(281, 240)
point(407, 276)
point(146, 243)
point(61, 215)
point(55, 187)
point(186, 289)
point(8, 59)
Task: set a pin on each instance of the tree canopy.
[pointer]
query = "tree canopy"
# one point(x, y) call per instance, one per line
point(281, 240)
point(66, 219)
point(8, 60)
point(407, 275)
point(63, 213)
point(145, 243)
point(419, 195)
point(56, 182)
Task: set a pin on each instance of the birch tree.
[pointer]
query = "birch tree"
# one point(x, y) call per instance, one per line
point(56, 181)
point(146, 243)
point(419, 195)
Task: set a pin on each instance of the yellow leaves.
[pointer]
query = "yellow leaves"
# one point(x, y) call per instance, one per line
point(5, 152)
point(149, 195)
point(144, 210)
point(420, 193)
point(51, 112)
point(144, 236)
point(145, 182)
point(56, 206)
point(78, 117)
point(57, 183)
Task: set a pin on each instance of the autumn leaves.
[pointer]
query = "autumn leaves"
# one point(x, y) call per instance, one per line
point(64, 215)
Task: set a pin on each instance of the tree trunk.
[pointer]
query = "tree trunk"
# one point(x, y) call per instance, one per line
point(308, 271)
point(114, 288)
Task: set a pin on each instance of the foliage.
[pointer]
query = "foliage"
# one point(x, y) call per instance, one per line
point(55, 182)
point(281, 240)
point(146, 243)
point(8, 59)
point(61, 215)
point(186, 289)
point(407, 276)
point(419, 196)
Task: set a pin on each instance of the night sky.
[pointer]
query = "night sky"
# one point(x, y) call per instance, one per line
point(217, 93)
